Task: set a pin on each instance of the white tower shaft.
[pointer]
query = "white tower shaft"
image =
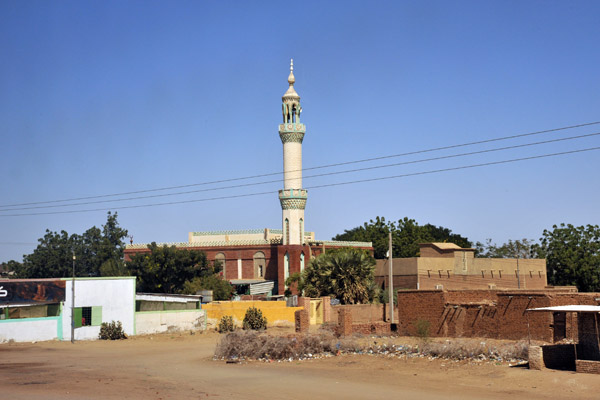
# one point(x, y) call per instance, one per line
point(292, 197)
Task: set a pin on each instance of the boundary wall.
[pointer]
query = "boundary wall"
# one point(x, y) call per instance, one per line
point(276, 312)
point(487, 313)
point(148, 322)
point(31, 329)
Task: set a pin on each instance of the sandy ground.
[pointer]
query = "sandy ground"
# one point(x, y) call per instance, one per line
point(180, 366)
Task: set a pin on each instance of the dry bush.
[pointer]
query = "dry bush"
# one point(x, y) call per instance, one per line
point(472, 348)
point(256, 345)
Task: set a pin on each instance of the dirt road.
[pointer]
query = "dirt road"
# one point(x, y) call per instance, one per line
point(180, 366)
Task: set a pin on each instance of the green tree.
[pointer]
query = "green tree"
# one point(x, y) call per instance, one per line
point(53, 257)
point(522, 248)
point(166, 269)
point(113, 267)
point(222, 290)
point(10, 268)
point(572, 256)
point(347, 274)
point(406, 236)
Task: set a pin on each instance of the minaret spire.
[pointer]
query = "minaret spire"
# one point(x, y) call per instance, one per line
point(292, 197)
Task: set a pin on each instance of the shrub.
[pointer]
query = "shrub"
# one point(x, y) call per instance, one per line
point(422, 326)
point(254, 319)
point(112, 331)
point(226, 324)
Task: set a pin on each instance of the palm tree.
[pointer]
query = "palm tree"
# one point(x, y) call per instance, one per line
point(346, 274)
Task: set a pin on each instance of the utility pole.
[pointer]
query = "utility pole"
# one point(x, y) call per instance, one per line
point(73, 302)
point(518, 272)
point(390, 281)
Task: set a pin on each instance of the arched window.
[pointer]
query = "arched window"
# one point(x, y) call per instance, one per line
point(220, 260)
point(287, 232)
point(301, 231)
point(260, 264)
point(286, 266)
point(301, 261)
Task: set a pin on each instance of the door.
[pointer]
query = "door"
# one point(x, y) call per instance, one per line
point(560, 326)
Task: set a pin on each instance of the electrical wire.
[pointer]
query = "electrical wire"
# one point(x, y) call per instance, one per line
point(310, 176)
point(306, 169)
point(313, 187)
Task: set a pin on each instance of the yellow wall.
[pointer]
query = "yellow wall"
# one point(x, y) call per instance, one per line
point(276, 312)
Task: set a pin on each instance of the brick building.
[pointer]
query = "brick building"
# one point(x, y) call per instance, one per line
point(500, 314)
point(269, 254)
point(448, 266)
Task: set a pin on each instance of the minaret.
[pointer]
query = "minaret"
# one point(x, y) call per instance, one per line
point(292, 197)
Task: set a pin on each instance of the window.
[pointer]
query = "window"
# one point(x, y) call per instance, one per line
point(301, 231)
point(259, 264)
point(220, 259)
point(287, 231)
point(301, 261)
point(87, 316)
point(286, 267)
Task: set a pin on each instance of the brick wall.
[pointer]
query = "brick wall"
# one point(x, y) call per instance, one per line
point(361, 313)
point(344, 322)
point(302, 321)
point(377, 328)
point(414, 305)
point(588, 337)
point(487, 313)
point(586, 366)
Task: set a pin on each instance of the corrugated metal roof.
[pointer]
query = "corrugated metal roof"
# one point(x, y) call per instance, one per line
point(171, 298)
point(569, 308)
point(256, 286)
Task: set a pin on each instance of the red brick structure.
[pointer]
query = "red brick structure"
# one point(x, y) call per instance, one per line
point(588, 367)
point(302, 321)
point(345, 322)
point(259, 258)
point(582, 353)
point(361, 313)
point(490, 313)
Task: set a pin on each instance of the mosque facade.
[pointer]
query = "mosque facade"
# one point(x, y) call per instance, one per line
point(269, 255)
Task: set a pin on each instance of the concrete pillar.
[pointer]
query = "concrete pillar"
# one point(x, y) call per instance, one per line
point(536, 357)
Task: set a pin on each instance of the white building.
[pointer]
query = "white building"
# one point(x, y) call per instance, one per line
point(43, 309)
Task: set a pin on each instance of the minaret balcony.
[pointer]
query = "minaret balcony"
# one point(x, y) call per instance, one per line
point(292, 127)
point(293, 199)
point(292, 132)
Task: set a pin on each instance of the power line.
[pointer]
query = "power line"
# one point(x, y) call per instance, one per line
point(309, 176)
point(306, 169)
point(313, 187)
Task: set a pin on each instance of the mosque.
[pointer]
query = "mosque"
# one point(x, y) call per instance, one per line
point(264, 258)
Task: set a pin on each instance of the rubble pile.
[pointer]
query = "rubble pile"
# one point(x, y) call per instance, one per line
point(241, 346)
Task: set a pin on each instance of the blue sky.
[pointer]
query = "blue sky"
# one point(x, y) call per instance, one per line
point(106, 97)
